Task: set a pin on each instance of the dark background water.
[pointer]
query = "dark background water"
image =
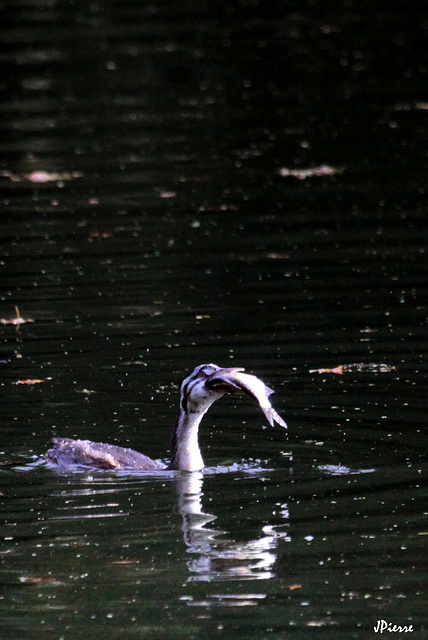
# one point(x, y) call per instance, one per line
point(236, 182)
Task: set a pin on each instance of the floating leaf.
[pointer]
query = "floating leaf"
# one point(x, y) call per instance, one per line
point(38, 580)
point(16, 321)
point(41, 176)
point(372, 367)
point(302, 174)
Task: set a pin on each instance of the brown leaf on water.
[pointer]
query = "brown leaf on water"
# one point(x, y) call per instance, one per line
point(38, 580)
point(371, 367)
point(101, 235)
point(41, 176)
point(338, 369)
point(17, 321)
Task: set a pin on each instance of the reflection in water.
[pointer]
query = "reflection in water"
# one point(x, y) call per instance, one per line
point(217, 557)
point(342, 470)
point(123, 568)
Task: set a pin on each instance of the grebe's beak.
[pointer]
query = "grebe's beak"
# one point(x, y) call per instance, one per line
point(223, 380)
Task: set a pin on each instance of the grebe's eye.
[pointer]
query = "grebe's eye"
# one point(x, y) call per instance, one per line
point(206, 370)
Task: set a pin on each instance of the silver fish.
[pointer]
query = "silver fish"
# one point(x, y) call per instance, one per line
point(235, 381)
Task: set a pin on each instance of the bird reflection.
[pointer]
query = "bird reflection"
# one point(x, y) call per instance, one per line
point(214, 556)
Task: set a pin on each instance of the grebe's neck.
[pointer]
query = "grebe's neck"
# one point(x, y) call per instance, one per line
point(185, 452)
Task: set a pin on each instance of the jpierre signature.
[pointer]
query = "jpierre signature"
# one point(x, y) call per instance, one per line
point(383, 625)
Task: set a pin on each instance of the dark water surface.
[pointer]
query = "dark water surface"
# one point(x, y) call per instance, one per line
point(232, 182)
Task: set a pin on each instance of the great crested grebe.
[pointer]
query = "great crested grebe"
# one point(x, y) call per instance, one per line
point(206, 384)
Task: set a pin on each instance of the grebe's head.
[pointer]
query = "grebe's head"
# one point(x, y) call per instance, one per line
point(204, 386)
point(208, 382)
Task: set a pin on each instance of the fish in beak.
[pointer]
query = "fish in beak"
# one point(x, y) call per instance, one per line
point(233, 380)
